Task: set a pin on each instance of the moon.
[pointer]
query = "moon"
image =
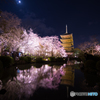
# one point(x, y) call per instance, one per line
point(19, 1)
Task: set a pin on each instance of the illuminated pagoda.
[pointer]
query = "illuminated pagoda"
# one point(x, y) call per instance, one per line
point(67, 42)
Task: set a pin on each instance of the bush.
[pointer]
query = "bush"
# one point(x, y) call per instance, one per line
point(26, 59)
point(78, 59)
point(91, 57)
point(39, 59)
point(12, 60)
point(1, 65)
point(98, 65)
point(7, 61)
point(96, 58)
point(59, 59)
point(51, 58)
point(33, 57)
point(81, 56)
point(1, 69)
point(90, 64)
point(23, 59)
point(29, 59)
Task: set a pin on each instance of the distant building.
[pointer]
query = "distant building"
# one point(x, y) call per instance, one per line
point(67, 42)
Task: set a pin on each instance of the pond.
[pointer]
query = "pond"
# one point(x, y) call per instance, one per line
point(43, 82)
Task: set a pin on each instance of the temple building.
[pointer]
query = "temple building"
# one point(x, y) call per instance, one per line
point(67, 42)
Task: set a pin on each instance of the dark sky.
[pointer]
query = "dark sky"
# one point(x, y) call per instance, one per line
point(49, 17)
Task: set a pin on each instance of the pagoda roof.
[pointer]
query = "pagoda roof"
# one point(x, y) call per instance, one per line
point(67, 34)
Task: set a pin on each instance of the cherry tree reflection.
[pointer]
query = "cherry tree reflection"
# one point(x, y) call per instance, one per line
point(27, 81)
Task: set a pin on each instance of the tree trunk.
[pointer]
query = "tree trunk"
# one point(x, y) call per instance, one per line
point(92, 52)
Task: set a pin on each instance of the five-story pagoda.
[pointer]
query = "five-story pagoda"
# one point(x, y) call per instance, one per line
point(67, 42)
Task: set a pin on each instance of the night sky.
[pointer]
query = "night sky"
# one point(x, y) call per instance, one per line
point(49, 17)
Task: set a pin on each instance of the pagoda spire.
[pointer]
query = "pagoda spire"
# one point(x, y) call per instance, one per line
point(66, 29)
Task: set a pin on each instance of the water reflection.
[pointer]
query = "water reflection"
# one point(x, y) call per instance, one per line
point(68, 78)
point(24, 84)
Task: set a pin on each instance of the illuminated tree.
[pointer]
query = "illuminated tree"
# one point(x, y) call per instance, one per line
point(12, 41)
point(97, 49)
point(8, 22)
point(46, 46)
point(89, 46)
point(29, 42)
point(52, 46)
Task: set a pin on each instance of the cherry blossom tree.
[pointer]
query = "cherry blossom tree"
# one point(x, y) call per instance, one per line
point(8, 22)
point(15, 38)
point(52, 46)
point(12, 41)
point(46, 46)
point(29, 42)
point(97, 49)
point(89, 46)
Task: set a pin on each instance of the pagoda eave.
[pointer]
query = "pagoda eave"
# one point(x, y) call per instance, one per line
point(67, 45)
point(66, 40)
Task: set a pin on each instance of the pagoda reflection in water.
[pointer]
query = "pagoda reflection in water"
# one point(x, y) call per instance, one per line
point(68, 78)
